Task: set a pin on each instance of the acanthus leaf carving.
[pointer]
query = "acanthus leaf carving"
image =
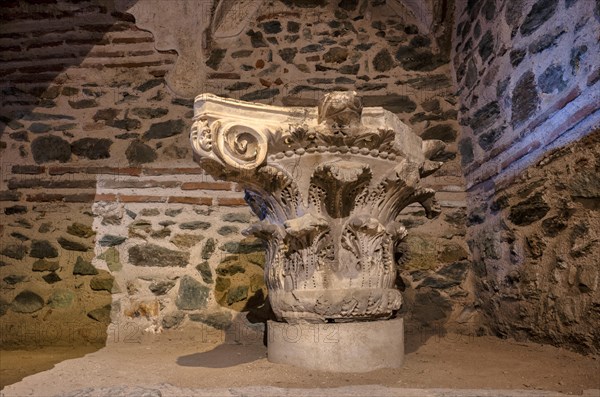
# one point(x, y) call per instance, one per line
point(202, 134)
point(328, 185)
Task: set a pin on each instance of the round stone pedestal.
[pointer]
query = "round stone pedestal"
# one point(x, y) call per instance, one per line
point(337, 347)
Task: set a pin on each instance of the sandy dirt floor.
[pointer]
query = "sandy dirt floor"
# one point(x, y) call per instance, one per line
point(189, 360)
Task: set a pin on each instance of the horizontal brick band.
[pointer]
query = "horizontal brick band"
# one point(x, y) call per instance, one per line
point(232, 202)
point(131, 40)
point(136, 184)
point(9, 196)
point(172, 171)
point(206, 186)
point(28, 169)
point(191, 200)
point(59, 170)
point(142, 199)
point(50, 184)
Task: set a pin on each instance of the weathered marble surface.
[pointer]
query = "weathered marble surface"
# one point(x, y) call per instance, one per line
point(327, 184)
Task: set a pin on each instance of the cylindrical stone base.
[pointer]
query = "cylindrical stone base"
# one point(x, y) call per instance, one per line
point(337, 347)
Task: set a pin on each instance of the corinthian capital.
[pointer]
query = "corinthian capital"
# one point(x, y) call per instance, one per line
point(327, 184)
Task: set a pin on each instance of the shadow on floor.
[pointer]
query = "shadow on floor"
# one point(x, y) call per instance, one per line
point(18, 364)
point(223, 356)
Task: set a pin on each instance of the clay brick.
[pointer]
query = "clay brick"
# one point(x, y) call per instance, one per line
point(46, 44)
point(43, 68)
point(105, 197)
point(33, 78)
point(22, 35)
point(540, 119)
point(9, 196)
point(59, 170)
point(105, 27)
point(485, 174)
point(573, 119)
point(473, 167)
point(206, 186)
point(64, 170)
point(552, 109)
point(134, 64)
point(190, 200)
point(10, 48)
point(139, 184)
point(53, 32)
point(527, 149)
point(142, 199)
point(232, 202)
point(499, 149)
point(44, 197)
point(107, 54)
point(172, 171)
point(50, 184)
point(87, 42)
point(80, 198)
point(123, 16)
point(131, 40)
point(28, 169)
point(140, 53)
point(6, 72)
point(158, 73)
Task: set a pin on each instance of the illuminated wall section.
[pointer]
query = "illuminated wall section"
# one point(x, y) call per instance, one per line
point(527, 75)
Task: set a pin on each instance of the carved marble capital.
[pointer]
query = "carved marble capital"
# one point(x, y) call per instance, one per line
point(327, 184)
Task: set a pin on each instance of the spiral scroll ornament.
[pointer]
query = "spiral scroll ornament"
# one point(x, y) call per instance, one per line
point(242, 146)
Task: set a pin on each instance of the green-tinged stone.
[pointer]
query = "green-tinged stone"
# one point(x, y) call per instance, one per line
point(84, 268)
point(27, 302)
point(204, 269)
point(243, 247)
point(42, 265)
point(109, 240)
point(15, 251)
point(72, 245)
point(422, 253)
point(230, 270)
point(112, 258)
point(222, 284)
point(154, 255)
point(184, 241)
point(209, 248)
point(172, 320)
point(150, 212)
point(103, 283)
point(227, 230)
point(195, 225)
point(237, 294)
point(219, 320)
point(43, 249)
point(61, 299)
point(101, 314)
point(192, 295)
point(237, 217)
point(51, 278)
point(160, 234)
point(161, 287)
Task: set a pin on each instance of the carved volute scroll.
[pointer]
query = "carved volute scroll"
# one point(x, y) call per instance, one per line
point(327, 185)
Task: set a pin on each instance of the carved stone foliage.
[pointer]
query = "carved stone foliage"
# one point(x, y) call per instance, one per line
point(327, 185)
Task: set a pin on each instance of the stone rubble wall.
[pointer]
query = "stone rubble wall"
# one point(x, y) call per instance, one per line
point(527, 75)
point(109, 228)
